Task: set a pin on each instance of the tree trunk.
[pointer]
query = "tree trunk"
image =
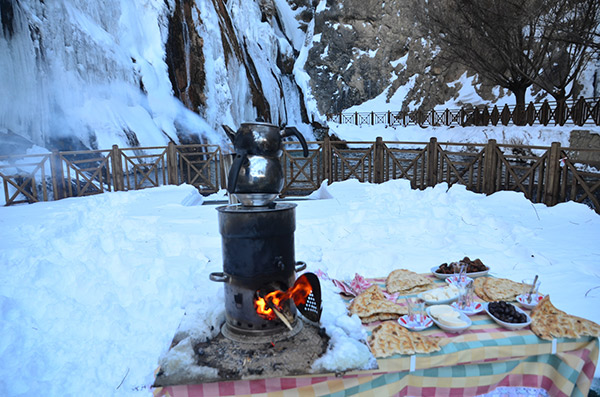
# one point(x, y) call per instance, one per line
point(519, 113)
point(560, 114)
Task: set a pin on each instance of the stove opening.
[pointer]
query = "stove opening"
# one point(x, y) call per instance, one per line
point(269, 305)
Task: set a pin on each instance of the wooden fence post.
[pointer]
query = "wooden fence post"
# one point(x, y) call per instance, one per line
point(432, 162)
point(327, 159)
point(505, 115)
point(117, 169)
point(378, 160)
point(579, 112)
point(172, 164)
point(553, 178)
point(560, 112)
point(490, 167)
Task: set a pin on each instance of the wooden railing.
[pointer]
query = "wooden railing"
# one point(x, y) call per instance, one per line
point(57, 175)
point(578, 112)
point(543, 174)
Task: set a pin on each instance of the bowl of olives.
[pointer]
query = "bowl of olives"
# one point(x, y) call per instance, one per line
point(507, 315)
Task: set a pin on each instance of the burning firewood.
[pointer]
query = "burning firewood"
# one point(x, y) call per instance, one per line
point(305, 293)
point(282, 317)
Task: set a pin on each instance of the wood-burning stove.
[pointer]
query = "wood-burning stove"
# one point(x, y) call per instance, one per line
point(258, 258)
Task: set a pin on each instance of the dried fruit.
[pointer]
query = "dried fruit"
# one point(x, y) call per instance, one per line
point(472, 266)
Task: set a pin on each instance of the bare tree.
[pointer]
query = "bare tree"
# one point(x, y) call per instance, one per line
point(515, 43)
point(486, 36)
point(568, 27)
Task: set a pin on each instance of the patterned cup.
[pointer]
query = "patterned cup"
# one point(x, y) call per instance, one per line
point(416, 309)
point(465, 295)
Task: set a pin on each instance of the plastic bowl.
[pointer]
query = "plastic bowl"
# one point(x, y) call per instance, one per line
point(472, 275)
point(509, 325)
point(440, 302)
point(448, 328)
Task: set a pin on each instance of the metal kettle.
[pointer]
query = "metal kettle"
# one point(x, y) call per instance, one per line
point(262, 138)
point(256, 175)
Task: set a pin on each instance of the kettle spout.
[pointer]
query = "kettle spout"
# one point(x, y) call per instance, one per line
point(230, 132)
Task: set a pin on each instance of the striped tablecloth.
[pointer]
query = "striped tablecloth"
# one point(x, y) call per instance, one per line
point(475, 362)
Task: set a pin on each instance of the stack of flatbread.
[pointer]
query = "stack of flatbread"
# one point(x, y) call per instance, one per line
point(548, 322)
point(406, 282)
point(391, 338)
point(371, 305)
point(492, 289)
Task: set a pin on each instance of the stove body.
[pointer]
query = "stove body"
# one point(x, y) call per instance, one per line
point(258, 255)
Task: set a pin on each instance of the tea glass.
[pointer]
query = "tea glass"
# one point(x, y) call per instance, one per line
point(416, 310)
point(465, 295)
point(529, 287)
point(460, 272)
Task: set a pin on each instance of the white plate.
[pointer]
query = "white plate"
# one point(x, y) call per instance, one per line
point(442, 302)
point(476, 307)
point(413, 325)
point(447, 328)
point(509, 325)
point(535, 299)
point(472, 275)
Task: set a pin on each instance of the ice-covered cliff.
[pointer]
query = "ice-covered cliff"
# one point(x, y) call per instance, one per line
point(87, 74)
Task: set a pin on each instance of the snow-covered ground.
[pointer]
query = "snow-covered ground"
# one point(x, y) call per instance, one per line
point(93, 289)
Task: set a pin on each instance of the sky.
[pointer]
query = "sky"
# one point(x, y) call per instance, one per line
point(93, 289)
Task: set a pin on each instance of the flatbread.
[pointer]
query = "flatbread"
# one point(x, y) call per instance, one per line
point(380, 317)
point(492, 289)
point(478, 287)
point(390, 338)
point(425, 344)
point(371, 305)
point(407, 282)
point(548, 323)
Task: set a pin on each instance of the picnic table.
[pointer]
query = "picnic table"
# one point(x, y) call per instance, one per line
point(475, 362)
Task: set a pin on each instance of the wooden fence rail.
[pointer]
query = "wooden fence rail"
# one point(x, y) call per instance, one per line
point(578, 112)
point(547, 175)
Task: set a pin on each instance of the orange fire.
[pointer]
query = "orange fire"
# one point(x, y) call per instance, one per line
point(298, 293)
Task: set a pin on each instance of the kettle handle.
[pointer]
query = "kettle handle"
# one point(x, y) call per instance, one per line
point(289, 131)
point(234, 171)
point(230, 132)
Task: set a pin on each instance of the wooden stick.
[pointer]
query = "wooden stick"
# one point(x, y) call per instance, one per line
point(280, 315)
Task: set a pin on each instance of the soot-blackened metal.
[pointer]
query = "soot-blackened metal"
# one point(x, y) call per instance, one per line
point(258, 254)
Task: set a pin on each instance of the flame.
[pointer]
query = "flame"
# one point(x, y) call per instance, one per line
point(299, 292)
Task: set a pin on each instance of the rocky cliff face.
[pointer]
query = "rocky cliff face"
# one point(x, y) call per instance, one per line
point(356, 50)
point(236, 57)
point(365, 47)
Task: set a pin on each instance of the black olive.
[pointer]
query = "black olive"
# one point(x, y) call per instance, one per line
point(523, 318)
